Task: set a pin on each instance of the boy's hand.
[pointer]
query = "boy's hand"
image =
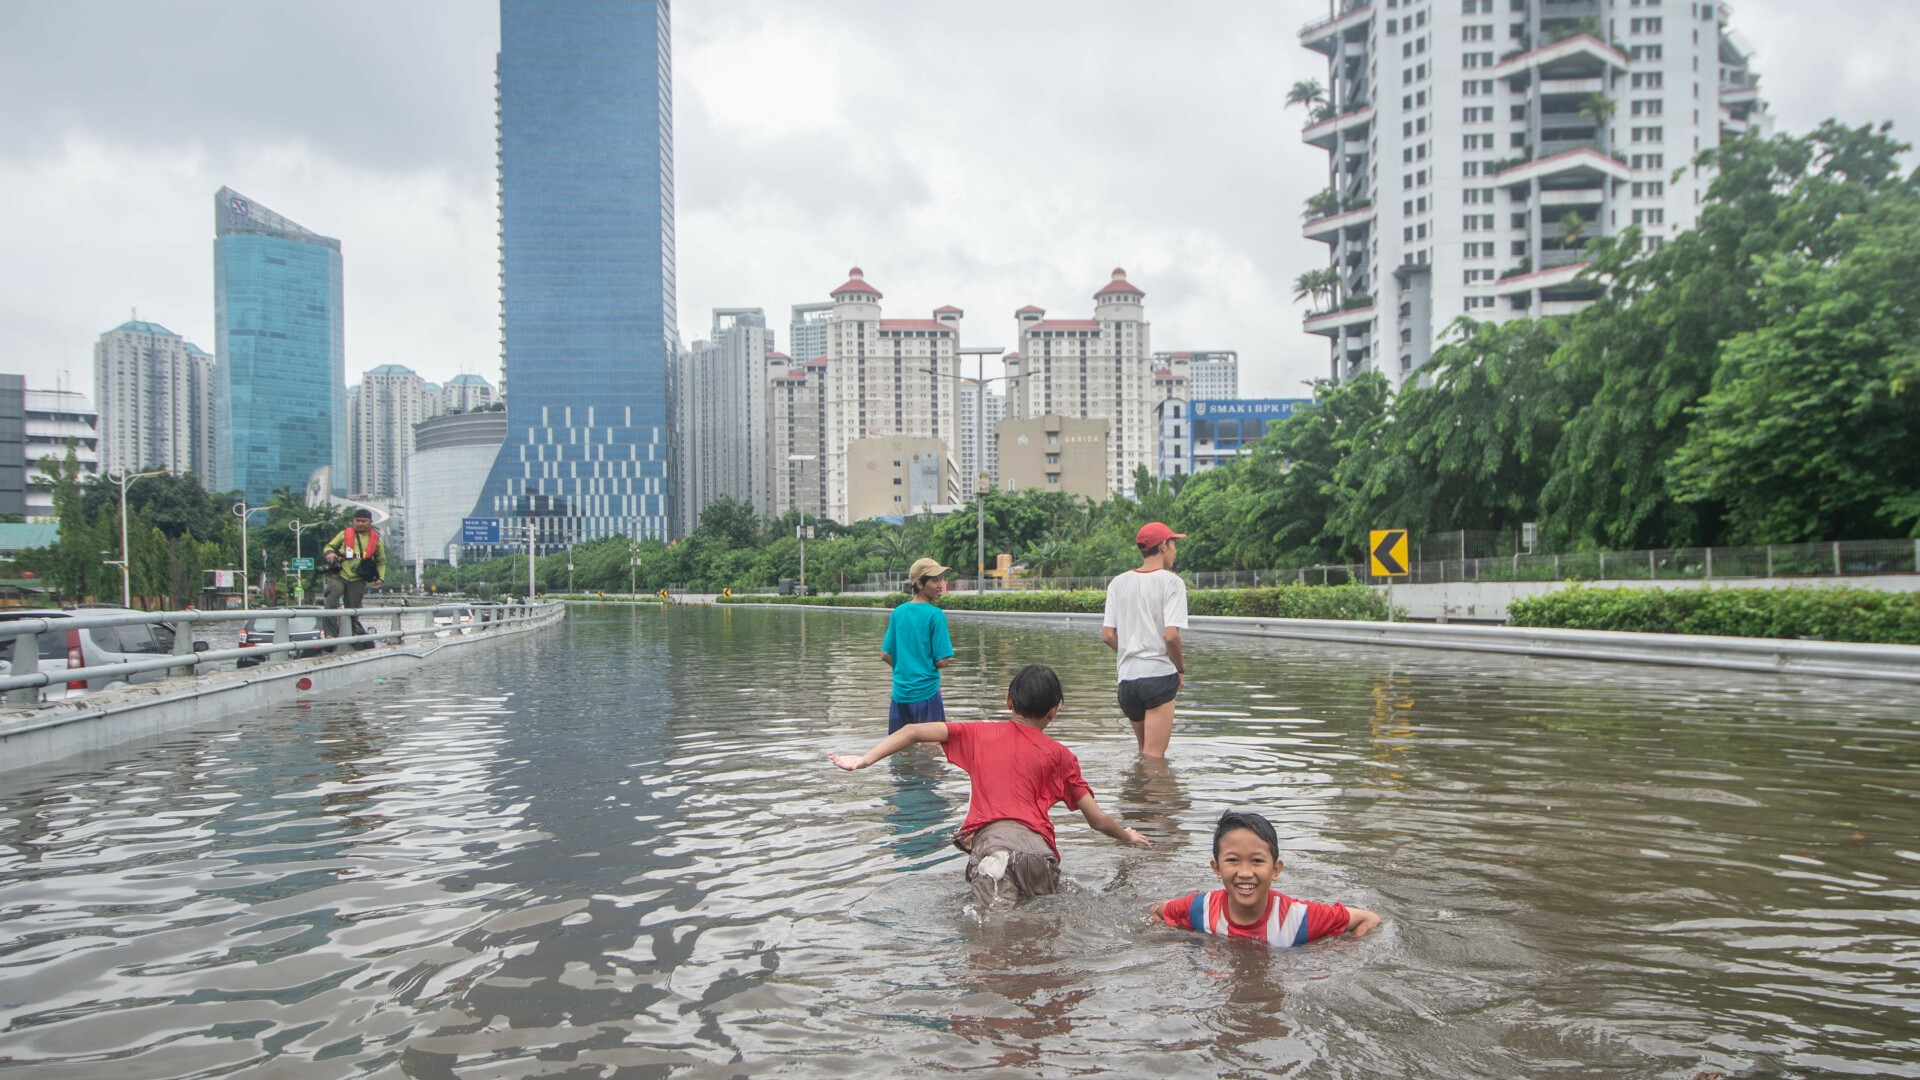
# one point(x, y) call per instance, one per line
point(1158, 911)
point(1132, 836)
point(848, 761)
point(1360, 921)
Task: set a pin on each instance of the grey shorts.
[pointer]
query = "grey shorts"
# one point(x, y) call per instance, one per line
point(1019, 863)
point(1137, 696)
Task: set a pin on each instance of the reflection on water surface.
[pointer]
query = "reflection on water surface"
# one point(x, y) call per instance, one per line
point(617, 850)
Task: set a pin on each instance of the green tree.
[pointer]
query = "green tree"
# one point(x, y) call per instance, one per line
point(1308, 93)
point(1812, 428)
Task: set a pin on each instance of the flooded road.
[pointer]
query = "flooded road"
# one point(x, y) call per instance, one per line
point(616, 849)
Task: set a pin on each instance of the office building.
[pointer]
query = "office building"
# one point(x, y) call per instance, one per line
point(900, 475)
point(55, 421)
point(156, 394)
point(451, 458)
point(722, 401)
point(280, 362)
point(1221, 432)
point(13, 444)
point(389, 401)
point(1055, 453)
point(587, 271)
point(807, 334)
point(796, 405)
point(1099, 368)
point(970, 431)
point(891, 378)
point(1474, 148)
point(466, 393)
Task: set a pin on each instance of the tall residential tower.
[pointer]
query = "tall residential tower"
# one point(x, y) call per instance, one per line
point(586, 270)
point(1474, 146)
point(280, 359)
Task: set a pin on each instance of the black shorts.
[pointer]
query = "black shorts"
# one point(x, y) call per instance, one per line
point(1137, 696)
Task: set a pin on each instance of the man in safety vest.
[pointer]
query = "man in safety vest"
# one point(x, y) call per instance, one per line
point(356, 558)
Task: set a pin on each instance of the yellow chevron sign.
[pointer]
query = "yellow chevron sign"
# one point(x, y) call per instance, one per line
point(1387, 551)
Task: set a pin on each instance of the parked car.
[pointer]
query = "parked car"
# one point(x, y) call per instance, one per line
point(94, 647)
point(455, 619)
point(258, 632)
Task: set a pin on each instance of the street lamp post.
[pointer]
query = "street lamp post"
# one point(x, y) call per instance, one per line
point(299, 527)
point(121, 477)
point(242, 511)
point(801, 461)
point(979, 455)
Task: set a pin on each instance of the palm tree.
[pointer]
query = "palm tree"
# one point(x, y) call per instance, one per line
point(1572, 228)
point(895, 548)
point(1316, 284)
point(1049, 556)
point(1307, 92)
point(1322, 203)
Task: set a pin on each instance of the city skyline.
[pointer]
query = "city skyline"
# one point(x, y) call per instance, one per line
point(102, 181)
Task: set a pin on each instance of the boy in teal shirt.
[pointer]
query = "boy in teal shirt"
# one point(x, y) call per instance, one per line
point(916, 648)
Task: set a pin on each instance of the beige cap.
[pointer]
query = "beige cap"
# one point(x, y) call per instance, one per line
point(925, 568)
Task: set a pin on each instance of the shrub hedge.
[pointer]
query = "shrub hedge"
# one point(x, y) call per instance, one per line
point(1279, 602)
point(1832, 613)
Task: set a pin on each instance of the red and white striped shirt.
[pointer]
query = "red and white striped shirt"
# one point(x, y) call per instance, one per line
point(1286, 923)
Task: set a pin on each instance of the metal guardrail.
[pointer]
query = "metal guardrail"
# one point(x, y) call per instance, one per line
point(26, 677)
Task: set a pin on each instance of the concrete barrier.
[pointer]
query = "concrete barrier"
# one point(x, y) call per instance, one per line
point(1833, 659)
point(35, 735)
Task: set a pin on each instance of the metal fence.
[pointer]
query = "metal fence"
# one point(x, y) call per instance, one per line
point(24, 677)
point(1832, 559)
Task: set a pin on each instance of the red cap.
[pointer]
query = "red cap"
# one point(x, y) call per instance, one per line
point(1153, 532)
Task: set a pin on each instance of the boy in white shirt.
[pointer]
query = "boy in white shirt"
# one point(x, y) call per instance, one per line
point(1146, 610)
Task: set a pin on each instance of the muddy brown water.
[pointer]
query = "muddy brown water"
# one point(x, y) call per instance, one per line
point(616, 850)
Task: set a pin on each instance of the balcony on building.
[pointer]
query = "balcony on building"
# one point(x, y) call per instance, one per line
point(1337, 323)
point(1577, 59)
point(1350, 25)
point(1581, 167)
point(1354, 223)
point(1561, 284)
point(1350, 125)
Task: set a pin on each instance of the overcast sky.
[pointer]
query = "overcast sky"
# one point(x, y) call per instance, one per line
point(986, 154)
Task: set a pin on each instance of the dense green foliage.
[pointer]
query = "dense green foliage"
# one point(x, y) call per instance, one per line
point(1831, 613)
point(1281, 602)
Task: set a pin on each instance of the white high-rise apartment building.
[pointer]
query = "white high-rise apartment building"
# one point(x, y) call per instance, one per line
point(878, 382)
point(1464, 137)
point(807, 335)
point(722, 408)
point(1099, 368)
point(797, 443)
point(1211, 375)
point(382, 411)
point(156, 400)
point(55, 420)
point(465, 394)
point(969, 428)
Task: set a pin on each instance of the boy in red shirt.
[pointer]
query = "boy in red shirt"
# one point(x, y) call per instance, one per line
point(1018, 773)
point(1246, 856)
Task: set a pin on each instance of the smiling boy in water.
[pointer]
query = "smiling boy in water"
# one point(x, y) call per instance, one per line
point(1246, 856)
point(1018, 773)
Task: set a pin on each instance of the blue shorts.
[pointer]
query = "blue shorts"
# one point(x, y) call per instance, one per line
point(930, 711)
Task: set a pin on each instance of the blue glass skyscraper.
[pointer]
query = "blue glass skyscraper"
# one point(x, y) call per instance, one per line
point(586, 274)
point(280, 361)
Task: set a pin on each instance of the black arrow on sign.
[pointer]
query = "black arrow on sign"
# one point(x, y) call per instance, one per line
point(1384, 552)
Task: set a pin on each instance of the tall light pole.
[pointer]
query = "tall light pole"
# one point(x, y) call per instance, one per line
point(299, 527)
point(121, 477)
point(800, 461)
point(242, 511)
point(979, 454)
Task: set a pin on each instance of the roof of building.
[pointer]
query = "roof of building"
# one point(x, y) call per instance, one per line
point(943, 308)
point(141, 326)
point(778, 356)
point(1119, 284)
point(914, 324)
point(818, 361)
point(856, 283)
point(390, 369)
point(195, 350)
point(21, 537)
point(59, 401)
point(1066, 324)
point(794, 373)
point(468, 380)
point(1031, 308)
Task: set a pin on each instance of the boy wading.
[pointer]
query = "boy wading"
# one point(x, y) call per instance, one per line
point(916, 647)
point(355, 559)
point(1146, 610)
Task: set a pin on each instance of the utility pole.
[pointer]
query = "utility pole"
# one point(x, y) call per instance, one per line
point(979, 455)
point(121, 477)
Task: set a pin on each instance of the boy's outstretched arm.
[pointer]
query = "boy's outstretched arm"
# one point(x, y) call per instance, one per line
point(892, 744)
point(1360, 921)
point(1103, 822)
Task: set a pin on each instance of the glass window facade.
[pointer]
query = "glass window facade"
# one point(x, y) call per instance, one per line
point(587, 270)
point(280, 361)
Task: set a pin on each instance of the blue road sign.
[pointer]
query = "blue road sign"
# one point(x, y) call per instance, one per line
point(479, 530)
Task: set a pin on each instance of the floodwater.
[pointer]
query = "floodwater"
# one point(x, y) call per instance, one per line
point(617, 850)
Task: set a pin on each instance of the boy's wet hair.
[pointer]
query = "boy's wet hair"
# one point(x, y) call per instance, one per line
point(1250, 821)
point(1034, 692)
